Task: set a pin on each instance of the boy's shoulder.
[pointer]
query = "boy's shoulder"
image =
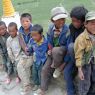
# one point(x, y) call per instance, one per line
point(9, 39)
point(31, 40)
point(21, 29)
point(51, 25)
point(6, 35)
point(83, 36)
point(45, 40)
point(66, 26)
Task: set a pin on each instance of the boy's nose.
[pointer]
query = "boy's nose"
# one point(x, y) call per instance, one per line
point(25, 23)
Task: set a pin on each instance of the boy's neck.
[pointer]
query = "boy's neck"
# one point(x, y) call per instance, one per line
point(26, 31)
point(14, 36)
point(40, 41)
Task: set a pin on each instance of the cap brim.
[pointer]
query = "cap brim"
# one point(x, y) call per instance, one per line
point(59, 17)
point(92, 18)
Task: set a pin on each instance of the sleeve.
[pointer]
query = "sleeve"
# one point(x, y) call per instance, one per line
point(21, 41)
point(68, 41)
point(79, 47)
point(29, 48)
point(43, 52)
point(9, 50)
point(44, 49)
point(49, 37)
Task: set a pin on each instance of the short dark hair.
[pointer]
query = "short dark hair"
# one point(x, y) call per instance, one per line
point(27, 15)
point(13, 24)
point(2, 23)
point(37, 28)
point(79, 13)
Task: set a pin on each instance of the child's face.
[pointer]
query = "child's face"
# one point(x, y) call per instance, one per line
point(12, 31)
point(76, 23)
point(36, 36)
point(3, 30)
point(25, 22)
point(59, 23)
point(90, 26)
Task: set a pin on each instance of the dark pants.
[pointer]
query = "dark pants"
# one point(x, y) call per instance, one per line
point(69, 78)
point(15, 68)
point(69, 71)
point(7, 64)
point(46, 74)
point(87, 86)
point(36, 73)
point(47, 71)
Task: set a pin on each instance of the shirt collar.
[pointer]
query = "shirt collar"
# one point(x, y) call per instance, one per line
point(86, 34)
point(40, 42)
point(22, 29)
point(54, 28)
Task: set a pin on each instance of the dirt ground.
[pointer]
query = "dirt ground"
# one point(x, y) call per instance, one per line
point(56, 87)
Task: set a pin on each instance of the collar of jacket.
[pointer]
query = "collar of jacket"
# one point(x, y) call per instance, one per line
point(21, 30)
point(86, 34)
point(43, 41)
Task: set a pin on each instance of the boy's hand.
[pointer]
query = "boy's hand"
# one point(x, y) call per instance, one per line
point(49, 52)
point(26, 49)
point(80, 73)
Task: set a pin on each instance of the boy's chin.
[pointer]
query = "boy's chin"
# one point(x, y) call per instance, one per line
point(13, 36)
point(3, 34)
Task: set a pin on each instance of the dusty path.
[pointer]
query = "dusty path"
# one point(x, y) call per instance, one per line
point(56, 87)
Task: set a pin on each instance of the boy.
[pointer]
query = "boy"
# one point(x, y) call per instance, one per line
point(25, 62)
point(58, 38)
point(38, 45)
point(3, 50)
point(84, 48)
point(76, 28)
point(13, 47)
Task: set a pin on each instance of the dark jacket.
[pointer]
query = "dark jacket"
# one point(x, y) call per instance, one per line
point(74, 33)
point(3, 39)
point(24, 38)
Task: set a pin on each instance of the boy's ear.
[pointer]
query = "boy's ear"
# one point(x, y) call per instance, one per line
point(52, 20)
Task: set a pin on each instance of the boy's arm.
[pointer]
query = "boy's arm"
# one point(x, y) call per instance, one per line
point(68, 41)
point(29, 48)
point(44, 49)
point(21, 41)
point(79, 48)
point(9, 50)
point(50, 36)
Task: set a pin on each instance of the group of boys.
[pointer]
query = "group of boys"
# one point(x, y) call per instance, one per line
point(68, 49)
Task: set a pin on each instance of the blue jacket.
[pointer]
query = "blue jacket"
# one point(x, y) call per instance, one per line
point(26, 37)
point(64, 38)
point(39, 51)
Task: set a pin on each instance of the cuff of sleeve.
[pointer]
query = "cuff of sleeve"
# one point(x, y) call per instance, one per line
point(78, 64)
